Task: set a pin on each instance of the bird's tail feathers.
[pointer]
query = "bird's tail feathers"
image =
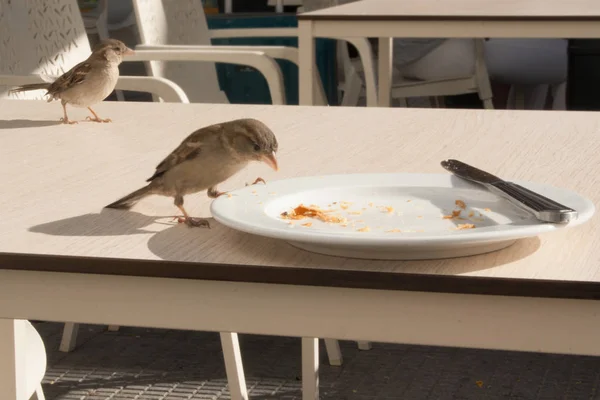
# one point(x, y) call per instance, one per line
point(125, 203)
point(31, 86)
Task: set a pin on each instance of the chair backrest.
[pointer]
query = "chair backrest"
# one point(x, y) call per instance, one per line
point(44, 37)
point(179, 22)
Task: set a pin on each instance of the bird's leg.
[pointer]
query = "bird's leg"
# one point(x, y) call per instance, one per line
point(96, 117)
point(65, 119)
point(213, 193)
point(259, 179)
point(190, 221)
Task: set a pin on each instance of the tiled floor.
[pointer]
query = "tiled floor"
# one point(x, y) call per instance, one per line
point(153, 364)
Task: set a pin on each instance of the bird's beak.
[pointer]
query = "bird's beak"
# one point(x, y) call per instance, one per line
point(129, 52)
point(270, 160)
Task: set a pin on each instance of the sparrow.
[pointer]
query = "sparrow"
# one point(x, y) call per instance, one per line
point(204, 159)
point(88, 82)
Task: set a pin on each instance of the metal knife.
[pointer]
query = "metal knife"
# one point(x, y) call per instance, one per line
point(543, 208)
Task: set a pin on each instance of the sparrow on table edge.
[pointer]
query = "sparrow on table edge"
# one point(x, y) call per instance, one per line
point(204, 159)
point(88, 82)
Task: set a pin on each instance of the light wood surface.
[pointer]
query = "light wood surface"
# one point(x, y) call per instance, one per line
point(463, 9)
point(57, 178)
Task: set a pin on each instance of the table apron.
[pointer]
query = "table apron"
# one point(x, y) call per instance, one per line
point(456, 29)
point(478, 321)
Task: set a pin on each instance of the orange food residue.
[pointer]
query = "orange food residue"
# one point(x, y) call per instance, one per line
point(365, 229)
point(461, 227)
point(302, 212)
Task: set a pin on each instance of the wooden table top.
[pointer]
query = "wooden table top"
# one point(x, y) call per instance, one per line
point(493, 10)
point(57, 178)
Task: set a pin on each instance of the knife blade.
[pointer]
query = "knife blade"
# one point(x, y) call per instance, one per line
point(543, 208)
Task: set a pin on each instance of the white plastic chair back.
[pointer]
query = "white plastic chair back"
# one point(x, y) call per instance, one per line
point(177, 22)
point(40, 37)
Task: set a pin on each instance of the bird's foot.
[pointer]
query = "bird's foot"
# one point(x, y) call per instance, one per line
point(259, 179)
point(96, 119)
point(194, 222)
point(214, 193)
point(67, 121)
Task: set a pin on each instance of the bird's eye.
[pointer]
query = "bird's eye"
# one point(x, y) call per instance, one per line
point(256, 147)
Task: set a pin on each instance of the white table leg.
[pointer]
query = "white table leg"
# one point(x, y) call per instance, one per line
point(12, 361)
point(385, 67)
point(69, 337)
point(333, 352)
point(234, 366)
point(310, 369)
point(306, 63)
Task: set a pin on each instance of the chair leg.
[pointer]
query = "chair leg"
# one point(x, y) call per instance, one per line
point(69, 337)
point(519, 97)
point(363, 345)
point(488, 104)
point(310, 369)
point(402, 102)
point(333, 352)
point(352, 88)
point(233, 366)
point(39, 393)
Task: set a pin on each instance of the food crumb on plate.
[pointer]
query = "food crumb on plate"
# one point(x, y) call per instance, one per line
point(370, 204)
point(455, 214)
point(461, 227)
point(393, 230)
point(461, 204)
point(345, 204)
point(307, 224)
point(229, 195)
point(486, 209)
point(364, 229)
point(355, 212)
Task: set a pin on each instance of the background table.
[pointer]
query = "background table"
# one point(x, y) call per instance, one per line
point(386, 19)
point(65, 258)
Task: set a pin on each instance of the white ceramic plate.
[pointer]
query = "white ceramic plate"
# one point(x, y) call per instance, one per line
point(390, 216)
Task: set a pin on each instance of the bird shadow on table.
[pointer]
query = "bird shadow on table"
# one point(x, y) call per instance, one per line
point(26, 123)
point(241, 248)
point(108, 222)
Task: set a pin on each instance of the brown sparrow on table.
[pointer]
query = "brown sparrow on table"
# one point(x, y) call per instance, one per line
point(204, 159)
point(87, 83)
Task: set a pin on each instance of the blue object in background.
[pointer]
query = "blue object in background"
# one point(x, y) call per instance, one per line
point(245, 85)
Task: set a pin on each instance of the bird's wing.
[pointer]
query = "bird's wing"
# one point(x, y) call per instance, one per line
point(189, 149)
point(72, 77)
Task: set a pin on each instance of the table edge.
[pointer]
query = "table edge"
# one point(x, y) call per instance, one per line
point(439, 18)
point(332, 278)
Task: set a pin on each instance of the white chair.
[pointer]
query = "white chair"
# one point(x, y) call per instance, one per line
point(404, 88)
point(176, 26)
point(35, 46)
point(30, 359)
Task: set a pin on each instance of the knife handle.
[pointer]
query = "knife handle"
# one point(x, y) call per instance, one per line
point(542, 207)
